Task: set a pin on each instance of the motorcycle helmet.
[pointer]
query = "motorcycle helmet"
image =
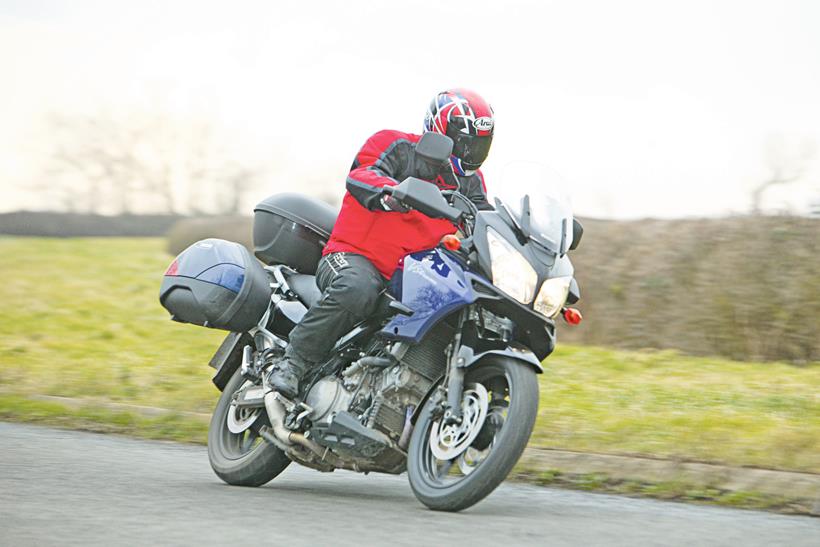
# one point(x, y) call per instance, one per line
point(467, 118)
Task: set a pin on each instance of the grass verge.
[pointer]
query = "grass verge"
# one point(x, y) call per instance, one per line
point(680, 491)
point(663, 404)
point(99, 419)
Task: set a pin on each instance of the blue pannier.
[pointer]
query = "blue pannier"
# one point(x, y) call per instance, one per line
point(216, 283)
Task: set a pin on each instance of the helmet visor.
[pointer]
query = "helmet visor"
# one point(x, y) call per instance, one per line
point(472, 150)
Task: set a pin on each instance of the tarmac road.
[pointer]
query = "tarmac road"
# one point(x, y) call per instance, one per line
point(67, 487)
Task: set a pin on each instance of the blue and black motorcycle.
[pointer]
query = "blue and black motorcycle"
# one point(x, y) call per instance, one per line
point(441, 381)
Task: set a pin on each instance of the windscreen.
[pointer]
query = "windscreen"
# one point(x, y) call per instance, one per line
point(537, 198)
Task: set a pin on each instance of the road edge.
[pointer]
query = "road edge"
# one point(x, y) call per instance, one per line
point(774, 490)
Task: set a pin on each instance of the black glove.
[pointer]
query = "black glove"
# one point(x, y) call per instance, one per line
point(389, 203)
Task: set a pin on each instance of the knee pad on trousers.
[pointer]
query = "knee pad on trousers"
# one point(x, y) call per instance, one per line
point(357, 292)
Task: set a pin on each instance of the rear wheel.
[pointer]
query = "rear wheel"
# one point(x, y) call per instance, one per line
point(453, 467)
point(238, 454)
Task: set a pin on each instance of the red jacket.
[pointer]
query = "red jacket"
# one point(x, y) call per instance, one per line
point(385, 237)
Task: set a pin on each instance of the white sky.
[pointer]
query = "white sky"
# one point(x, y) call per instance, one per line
point(647, 108)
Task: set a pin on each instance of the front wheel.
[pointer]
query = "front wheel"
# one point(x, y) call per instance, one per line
point(453, 467)
point(238, 454)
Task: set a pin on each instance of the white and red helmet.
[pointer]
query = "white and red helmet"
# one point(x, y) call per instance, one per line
point(467, 118)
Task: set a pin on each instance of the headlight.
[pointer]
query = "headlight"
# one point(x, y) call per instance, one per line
point(511, 271)
point(552, 296)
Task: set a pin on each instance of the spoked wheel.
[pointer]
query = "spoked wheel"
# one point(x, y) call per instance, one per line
point(238, 454)
point(452, 467)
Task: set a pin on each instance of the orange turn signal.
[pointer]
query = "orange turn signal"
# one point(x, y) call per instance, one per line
point(572, 316)
point(451, 242)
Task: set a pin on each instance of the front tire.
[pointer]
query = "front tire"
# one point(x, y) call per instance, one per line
point(493, 453)
point(241, 459)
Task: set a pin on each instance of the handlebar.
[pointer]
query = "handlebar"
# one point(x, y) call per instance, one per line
point(473, 208)
point(425, 197)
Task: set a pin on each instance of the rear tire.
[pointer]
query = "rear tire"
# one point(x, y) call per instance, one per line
point(446, 492)
point(233, 463)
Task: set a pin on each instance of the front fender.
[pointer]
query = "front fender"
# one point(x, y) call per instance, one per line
point(467, 357)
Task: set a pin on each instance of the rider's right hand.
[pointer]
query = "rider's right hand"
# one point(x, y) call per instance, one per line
point(389, 203)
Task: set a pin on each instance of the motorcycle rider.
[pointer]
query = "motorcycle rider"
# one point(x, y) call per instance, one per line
point(374, 231)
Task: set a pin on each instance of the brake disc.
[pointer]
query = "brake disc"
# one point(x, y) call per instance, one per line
point(448, 441)
point(471, 458)
point(241, 418)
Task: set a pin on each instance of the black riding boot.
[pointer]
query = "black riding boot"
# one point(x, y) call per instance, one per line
point(285, 374)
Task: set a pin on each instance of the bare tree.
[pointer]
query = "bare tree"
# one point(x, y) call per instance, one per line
point(235, 184)
point(787, 162)
point(92, 158)
point(144, 161)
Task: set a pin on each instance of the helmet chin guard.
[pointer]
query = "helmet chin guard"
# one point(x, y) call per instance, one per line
point(460, 169)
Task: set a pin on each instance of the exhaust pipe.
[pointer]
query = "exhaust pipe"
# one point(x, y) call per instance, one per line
point(276, 415)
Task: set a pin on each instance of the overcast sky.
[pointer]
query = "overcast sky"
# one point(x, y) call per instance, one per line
point(646, 108)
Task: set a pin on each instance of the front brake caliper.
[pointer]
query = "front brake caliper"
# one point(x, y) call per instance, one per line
point(439, 403)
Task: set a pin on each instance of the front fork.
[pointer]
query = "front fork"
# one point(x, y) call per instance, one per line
point(455, 375)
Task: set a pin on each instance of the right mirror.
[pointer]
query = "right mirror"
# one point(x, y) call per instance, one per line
point(426, 198)
point(577, 232)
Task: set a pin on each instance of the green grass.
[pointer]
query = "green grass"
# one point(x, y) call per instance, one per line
point(668, 405)
point(91, 417)
point(80, 318)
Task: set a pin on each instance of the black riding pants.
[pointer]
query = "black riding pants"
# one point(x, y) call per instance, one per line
point(350, 286)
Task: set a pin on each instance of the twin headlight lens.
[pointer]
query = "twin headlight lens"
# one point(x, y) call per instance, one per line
point(514, 275)
point(512, 272)
point(552, 296)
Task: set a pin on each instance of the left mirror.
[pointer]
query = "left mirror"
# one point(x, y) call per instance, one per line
point(434, 148)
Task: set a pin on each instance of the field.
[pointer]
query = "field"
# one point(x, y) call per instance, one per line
point(80, 318)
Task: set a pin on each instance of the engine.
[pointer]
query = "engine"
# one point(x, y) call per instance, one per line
point(385, 398)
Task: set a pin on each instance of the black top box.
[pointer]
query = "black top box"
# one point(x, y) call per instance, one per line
point(292, 229)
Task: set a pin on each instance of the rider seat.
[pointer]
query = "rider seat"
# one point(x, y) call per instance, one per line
point(304, 286)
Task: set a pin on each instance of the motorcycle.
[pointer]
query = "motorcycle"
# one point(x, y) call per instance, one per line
point(440, 382)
